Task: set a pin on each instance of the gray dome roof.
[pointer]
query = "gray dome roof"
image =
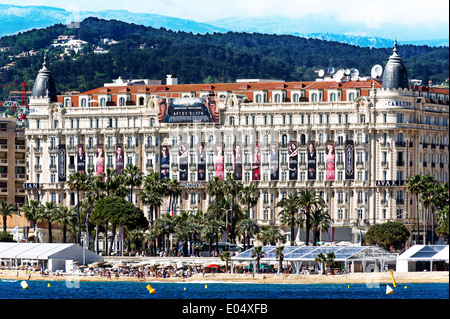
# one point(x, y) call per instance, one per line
point(395, 75)
point(44, 85)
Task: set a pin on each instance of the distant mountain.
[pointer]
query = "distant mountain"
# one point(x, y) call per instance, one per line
point(365, 36)
point(22, 18)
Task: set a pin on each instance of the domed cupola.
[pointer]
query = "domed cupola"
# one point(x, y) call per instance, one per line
point(44, 85)
point(395, 75)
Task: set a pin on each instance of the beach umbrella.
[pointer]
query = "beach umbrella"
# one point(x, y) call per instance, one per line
point(212, 266)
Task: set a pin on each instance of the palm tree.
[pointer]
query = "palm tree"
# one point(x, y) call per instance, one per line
point(150, 237)
point(182, 230)
point(164, 226)
point(64, 217)
point(290, 206)
point(321, 259)
point(414, 186)
point(280, 257)
point(133, 177)
point(248, 228)
point(77, 181)
point(6, 210)
point(248, 197)
point(31, 210)
point(174, 192)
point(226, 257)
point(427, 199)
point(271, 235)
point(48, 214)
point(214, 188)
point(308, 199)
point(257, 253)
point(320, 220)
point(233, 188)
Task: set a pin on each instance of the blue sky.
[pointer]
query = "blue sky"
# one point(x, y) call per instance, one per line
point(373, 14)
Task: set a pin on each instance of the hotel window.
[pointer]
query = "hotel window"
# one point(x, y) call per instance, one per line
point(362, 118)
point(314, 97)
point(71, 143)
point(277, 98)
point(283, 176)
point(91, 142)
point(340, 197)
point(399, 213)
point(360, 197)
point(110, 160)
point(83, 102)
point(340, 214)
point(121, 101)
point(302, 176)
point(321, 174)
point(258, 98)
point(332, 97)
point(102, 101)
point(295, 97)
point(340, 175)
point(231, 120)
point(247, 176)
point(351, 96)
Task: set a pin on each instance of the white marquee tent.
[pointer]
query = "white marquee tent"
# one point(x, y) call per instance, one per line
point(419, 255)
point(54, 256)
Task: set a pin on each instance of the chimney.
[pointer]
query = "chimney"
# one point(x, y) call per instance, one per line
point(172, 79)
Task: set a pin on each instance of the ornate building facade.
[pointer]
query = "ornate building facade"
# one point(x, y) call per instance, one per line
point(354, 140)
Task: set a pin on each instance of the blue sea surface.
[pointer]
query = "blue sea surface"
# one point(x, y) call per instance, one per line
point(11, 289)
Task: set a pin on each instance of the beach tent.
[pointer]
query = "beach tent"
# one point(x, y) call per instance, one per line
point(422, 257)
point(54, 256)
point(369, 257)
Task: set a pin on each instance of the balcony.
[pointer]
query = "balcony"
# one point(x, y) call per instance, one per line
point(52, 167)
point(3, 161)
point(400, 201)
point(400, 163)
point(424, 164)
point(38, 167)
point(400, 144)
point(384, 163)
point(37, 149)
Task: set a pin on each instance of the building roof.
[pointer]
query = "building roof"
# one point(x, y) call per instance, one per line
point(395, 75)
point(44, 85)
point(45, 251)
point(425, 252)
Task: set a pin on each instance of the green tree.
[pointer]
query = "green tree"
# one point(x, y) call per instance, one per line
point(289, 207)
point(248, 228)
point(133, 177)
point(389, 234)
point(309, 200)
point(280, 257)
point(320, 221)
point(414, 186)
point(6, 210)
point(257, 254)
point(248, 197)
point(77, 181)
point(226, 257)
point(271, 235)
point(30, 210)
point(214, 188)
point(233, 188)
point(48, 214)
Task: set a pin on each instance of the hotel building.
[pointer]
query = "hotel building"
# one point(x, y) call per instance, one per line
point(354, 140)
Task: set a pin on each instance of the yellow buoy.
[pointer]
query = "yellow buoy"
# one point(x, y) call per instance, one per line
point(24, 284)
point(151, 289)
point(348, 286)
point(393, 280)
point(184, 288)
point(389, 290)
point(206, 286)
point(406, 287)
point(48, 285)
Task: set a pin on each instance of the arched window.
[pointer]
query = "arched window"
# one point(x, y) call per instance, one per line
point(141, 100)
point(284, 140)
point(333, 97)
point(314, 97)
point(295, 97)
point(152, 121)
point(83, 102)
point(351, 96)
point(102, 101)
point(277, 98)
point(258, 98)
point(122, 101)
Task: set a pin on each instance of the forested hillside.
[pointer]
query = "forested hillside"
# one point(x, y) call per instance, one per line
point(145, 52)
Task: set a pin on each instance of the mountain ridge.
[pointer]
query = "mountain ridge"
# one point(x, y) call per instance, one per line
point(31, 17)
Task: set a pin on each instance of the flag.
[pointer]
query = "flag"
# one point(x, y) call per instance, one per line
point(330, 234)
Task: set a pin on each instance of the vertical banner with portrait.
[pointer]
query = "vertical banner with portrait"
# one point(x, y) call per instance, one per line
point(311, 160)
point(100, 161)
point(201, 164)
point(61, 162)
point(120, 160)
point(81, 159)
point(274, 162)
point(349, 160)
point(330, 161)
point(293, 161)
point(256, 163)
point(219, 160)
point(237, 150)
point(183, 164)
point(165, 162)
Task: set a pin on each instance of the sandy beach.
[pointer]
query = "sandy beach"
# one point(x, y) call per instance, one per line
point(380, 277)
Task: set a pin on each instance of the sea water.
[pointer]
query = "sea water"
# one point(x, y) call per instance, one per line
point(11, 289)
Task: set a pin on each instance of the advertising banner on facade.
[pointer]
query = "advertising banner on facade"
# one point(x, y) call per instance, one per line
point(237, 150)
point(293, 161)
point(219, 160)
point(201, 164)
point(100, 160)
point(256, 163)
point(349, 160)
point(188, 110)
point(183, 155)
point(61, 162)
point(119, 159)
point(165, 162)
point(274, 162)
point(81, 159)
point(330, 162)
point(311, 160)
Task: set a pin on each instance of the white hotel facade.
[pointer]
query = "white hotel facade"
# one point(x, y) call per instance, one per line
point(396, 132)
